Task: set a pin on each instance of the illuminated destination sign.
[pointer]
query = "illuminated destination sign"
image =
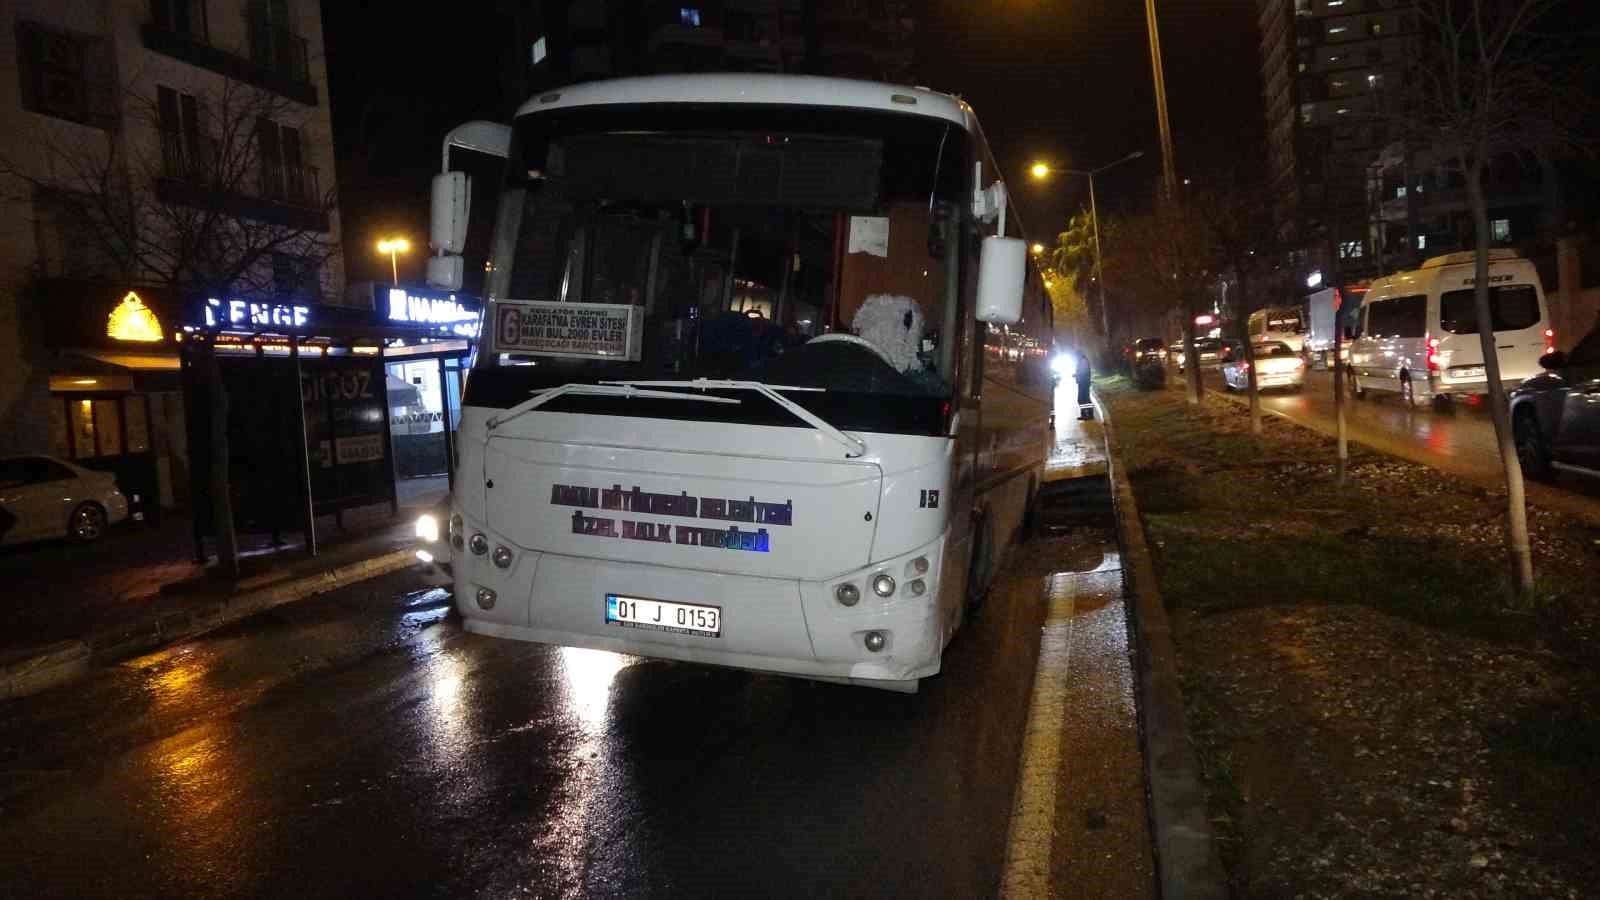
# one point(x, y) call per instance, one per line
point(590, 330)
point(635, 502)
point(255, 315)
point(447, 314)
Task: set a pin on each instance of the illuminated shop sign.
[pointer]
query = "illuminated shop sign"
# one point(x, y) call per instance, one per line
point(446, 314)
point(251, 314)
point(132, 320)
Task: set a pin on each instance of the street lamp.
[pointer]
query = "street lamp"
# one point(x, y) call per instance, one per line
point(1042, 170)
point(393, 247)
point(1038, 249)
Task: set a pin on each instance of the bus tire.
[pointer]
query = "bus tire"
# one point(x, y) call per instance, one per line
point(978, 568)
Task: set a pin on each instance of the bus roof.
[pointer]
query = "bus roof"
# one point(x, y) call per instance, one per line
point(798, 90)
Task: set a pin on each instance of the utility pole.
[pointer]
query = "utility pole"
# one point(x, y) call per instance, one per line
point(1169, 170)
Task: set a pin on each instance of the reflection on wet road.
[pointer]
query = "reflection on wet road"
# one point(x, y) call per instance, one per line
point(331, 750)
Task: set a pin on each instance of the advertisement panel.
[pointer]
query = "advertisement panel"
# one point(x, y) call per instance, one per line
point(346, 412)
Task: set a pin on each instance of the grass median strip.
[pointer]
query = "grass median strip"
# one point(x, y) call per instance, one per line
point(1375, 711)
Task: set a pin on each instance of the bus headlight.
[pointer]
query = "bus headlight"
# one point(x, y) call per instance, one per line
point(479, 543)
point(874, 641)
point(883, 584)
point(502, 557)
point(428, 529)
point(916, 567)
point(917, 588)
point(847, 594)
point(486, 598)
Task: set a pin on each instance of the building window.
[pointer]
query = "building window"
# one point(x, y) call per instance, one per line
point(1500, 229)
point(65, 75)
point(187, 150)
point(284, 175)
point(1337, 29)
point(99, 426)
point(1422, 242)
point(1338, 83)
point(186, 17)
point(689, 16)
point(1335, 3)
point(1375, 28)
point(296, 277)
point(1352, 250)
point(1400, 192)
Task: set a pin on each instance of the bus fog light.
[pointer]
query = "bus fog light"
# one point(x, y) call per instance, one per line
point(847, 594)
point(479, 543)
point(502, 557)
point(486, 598)
point(874, 641)
point(918, 566)
point(917, 588)
point(425, 556)
point(883, 584)
point(428, 529)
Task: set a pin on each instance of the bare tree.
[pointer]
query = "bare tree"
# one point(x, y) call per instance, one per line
point(1162, 261)
point(204, 194)
point(1238, 216)
point(1487, 82)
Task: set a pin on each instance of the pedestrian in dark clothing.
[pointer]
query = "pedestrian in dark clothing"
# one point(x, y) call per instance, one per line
point(1085, 408)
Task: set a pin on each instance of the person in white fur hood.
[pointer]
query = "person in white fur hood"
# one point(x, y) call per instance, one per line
point(893, 323)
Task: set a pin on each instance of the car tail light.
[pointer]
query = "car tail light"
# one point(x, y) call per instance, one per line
point(1549, 341)
point(1244, 367)
point(1433, 354)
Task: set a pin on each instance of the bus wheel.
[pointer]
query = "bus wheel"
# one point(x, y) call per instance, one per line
point(982, 562)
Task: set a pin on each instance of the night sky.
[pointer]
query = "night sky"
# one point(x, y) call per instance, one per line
point(1065, 80)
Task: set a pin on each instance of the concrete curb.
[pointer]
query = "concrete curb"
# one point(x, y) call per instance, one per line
point(67, 661)
point(1187, 865)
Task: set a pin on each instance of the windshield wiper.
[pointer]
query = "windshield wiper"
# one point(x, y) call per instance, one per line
point(603, 389)
point(770, 391)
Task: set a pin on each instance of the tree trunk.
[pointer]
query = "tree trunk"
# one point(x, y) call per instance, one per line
point(1342, 427)
point(1254, 389)
point(1191, 355)
point(1516, 507)
point(227, 540)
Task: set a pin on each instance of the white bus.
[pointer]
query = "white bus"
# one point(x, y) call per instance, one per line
point(655, 455)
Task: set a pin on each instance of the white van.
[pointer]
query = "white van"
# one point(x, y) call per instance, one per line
point(1418, 331)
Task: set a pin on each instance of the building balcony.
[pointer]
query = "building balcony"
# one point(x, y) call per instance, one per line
point(280, 194)
point(278, 59)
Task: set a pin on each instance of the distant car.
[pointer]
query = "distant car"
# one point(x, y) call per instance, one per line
point(1212, 352)
point(42, 497)
point(1555, 415)
point(1277, 366)
point(1151, 348)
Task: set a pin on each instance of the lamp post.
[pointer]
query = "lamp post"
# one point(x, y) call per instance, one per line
point(394, 247)
point(1169, 176)
point(1042, 170)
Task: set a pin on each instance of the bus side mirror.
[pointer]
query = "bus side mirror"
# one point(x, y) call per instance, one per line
point(452, 200)
point(1002, 271)
point(447, 229)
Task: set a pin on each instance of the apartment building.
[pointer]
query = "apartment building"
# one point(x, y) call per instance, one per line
point(1328, 67)
point(153, 153)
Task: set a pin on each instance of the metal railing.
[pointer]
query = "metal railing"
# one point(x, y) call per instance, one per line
point(188, 158)
point(294, 185)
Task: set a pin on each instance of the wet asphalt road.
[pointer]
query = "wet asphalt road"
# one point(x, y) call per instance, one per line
point(361, 744)
point(1459, 440)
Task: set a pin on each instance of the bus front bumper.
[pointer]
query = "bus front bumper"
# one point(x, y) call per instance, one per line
point(786, 626)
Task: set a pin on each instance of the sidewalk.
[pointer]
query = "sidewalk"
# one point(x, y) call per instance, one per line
point(1108, 796)
point(139, 587)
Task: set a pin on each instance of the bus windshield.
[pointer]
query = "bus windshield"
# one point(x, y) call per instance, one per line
point(681, 241)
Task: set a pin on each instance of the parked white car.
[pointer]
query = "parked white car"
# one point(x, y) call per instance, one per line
point(1418, 331)
point(1277, 366)
point(43, 497)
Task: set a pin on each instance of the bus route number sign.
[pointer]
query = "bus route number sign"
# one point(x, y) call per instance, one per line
point(584, 330)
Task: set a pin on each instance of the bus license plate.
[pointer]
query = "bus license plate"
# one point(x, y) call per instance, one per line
point(660, 615)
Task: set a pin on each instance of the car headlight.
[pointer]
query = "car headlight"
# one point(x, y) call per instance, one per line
point(428, 529)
